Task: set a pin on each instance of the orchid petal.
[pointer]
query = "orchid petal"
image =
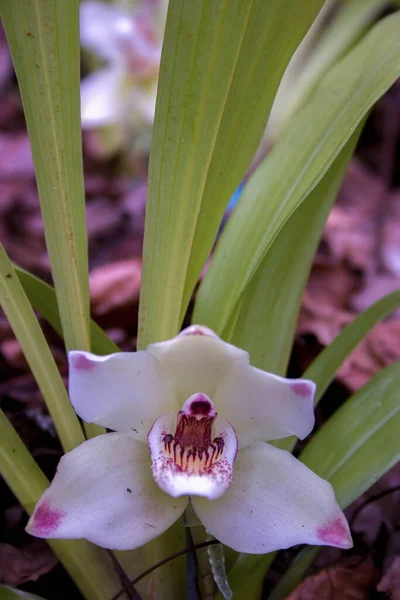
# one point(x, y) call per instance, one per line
point(104, 491)
point(100, 26)
point(261, 406)
point(125, 391)
point(201, 466)
point(274, 502)
point(197, 361)
point(102, 98)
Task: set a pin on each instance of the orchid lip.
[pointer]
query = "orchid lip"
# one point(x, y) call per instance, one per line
point(193, 461)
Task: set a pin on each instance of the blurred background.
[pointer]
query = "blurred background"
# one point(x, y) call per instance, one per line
point(358, 259)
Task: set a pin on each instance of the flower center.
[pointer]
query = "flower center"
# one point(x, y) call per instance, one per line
point(191, 461)
point(191, 448)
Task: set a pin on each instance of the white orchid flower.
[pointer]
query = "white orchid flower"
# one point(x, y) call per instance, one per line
point(191, 417)
point(124, 91)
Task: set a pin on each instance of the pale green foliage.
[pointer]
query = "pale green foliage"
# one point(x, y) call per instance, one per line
point(22, 319)
point(43, 36)
point(43, 297)
point(295, 166)
point(221, 67)
point(220, 70)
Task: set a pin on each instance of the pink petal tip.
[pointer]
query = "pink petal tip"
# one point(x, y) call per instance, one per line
point(81, 362)
point(303, 389)
point(198, 330)
point(45, 520)
point(336, 533)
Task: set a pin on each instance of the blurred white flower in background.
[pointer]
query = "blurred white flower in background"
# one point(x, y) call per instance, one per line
point(122, 93)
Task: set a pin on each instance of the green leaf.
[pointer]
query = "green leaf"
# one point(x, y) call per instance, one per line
point(350, 20)
point(43, 37)
point(360, 442)
point(358, 445)
point(267, 320)
point(322, 371)
point(220, 70)
point(324, 368)
point(8, 593)
point(295, 165)
point(87, 564)
point(266, 324)
point(43, 297)
point(36, 351)
point(295, 573)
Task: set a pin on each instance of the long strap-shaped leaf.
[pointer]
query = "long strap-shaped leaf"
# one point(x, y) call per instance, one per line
point(322, 371)
point(220, 69)
point(351, 19)
point(268, 315)
point(358, 445)
point(43, 36)
point(352, 450)
point(27, 330)
point(87, 564)
point(295, 166)
point(270, 306)
point(42, 296)
point(360, 442)
point(324, 368)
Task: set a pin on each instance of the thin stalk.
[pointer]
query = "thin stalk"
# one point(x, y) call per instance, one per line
point(163, 562)
point(204, 572)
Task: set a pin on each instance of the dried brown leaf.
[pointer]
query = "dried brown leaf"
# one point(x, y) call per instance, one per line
point(380, 348)
point(338, 583)
point(350, 234)
point(17, 566)
point(115, 286)
point(390, 582)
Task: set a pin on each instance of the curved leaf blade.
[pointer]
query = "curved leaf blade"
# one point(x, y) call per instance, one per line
point(360, 442)
point(43, 36)
point(353, 449)
point(323, 369)
point(267, 320)
point(28, 332)
point(295, 166)
point(212, 106)
point(273, 25)
point(43, 297)
point(351, 19)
